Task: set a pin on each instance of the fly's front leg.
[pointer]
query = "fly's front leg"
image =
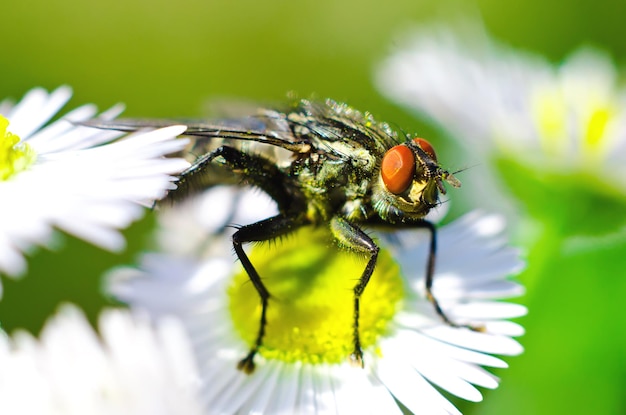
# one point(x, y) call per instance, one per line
point(354, 238)
point(261, 231)
point(430, 274)
point(248, 168)
point(195, 178)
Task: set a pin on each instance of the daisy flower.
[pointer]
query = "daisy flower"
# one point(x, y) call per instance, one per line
point(410, 355)
point(86, 182)
point(564, 118)
point(133, 367)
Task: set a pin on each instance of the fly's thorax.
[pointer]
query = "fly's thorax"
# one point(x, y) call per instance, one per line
point(337, 182)
point(409, 182)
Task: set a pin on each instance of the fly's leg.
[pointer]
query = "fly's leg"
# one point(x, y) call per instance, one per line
point(257, 232)
point(252, 169)
point(354, 238)
point(262, 173)
point(430, 273)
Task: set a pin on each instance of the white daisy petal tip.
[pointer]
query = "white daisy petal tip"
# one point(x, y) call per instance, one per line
point(161, 134)
point(109, 172)
point(113, 112)
point(490, 224)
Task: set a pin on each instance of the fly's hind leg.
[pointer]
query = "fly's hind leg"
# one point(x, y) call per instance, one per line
point(257, 232)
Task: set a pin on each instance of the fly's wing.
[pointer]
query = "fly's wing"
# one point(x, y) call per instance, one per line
point(266, 133)
point(332, 127)
point(305, 126)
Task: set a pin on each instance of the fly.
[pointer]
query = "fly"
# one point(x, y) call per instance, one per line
point(325, 164)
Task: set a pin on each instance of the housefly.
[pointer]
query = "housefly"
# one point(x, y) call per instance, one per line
point(325, 164)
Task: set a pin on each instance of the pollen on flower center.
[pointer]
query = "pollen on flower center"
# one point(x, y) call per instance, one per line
point(15, 156)
point(311, 311)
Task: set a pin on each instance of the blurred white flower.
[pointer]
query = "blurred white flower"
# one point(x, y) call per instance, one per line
point(303, 365)
point(131, 368)
point(84, 181)
point(561, 117)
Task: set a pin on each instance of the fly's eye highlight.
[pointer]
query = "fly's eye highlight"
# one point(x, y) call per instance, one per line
point(397, 168)
point(427, 147)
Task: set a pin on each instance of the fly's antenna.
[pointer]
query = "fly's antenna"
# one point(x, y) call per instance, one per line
point(464, 168)
point(451, 180)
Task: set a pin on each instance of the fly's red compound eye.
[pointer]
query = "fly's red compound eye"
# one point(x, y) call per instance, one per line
point(397, 168)
point(427, 147)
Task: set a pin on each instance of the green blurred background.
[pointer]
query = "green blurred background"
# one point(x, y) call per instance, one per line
point(169, 58)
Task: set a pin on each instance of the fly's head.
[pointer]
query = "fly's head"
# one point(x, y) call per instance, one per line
point(410, 181)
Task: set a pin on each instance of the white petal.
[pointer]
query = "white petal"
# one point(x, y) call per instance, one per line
point(324, 396)
point(504, 328)
point(488, 310)
point(482, 342)
point(58, 134)
point(306, 394)
point(283, 401)
point(349, 383)
point(135, 368)
point(258, 403)
point(35, 109)
point(410, 388)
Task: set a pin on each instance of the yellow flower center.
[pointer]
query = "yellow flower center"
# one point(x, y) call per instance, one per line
point(15, 156)
point(310, 317)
